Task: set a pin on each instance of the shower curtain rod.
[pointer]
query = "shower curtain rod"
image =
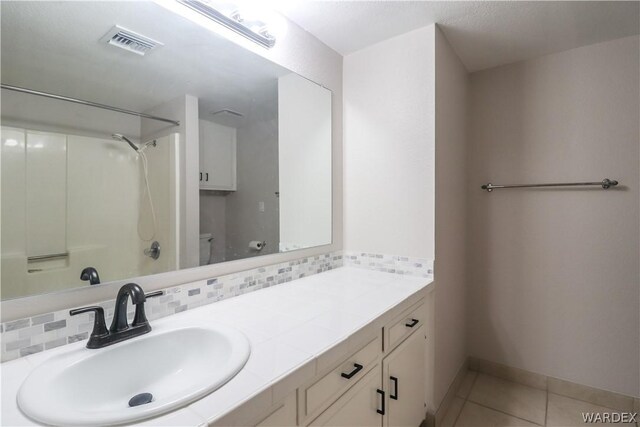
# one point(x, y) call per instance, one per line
point(88, 103)
point(605, 184)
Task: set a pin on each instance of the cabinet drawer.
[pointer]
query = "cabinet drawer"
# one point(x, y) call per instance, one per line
point(330, 386)
point(403, 325)
point(357, 407)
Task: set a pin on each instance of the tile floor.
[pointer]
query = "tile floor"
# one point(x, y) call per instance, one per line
point(486, 401)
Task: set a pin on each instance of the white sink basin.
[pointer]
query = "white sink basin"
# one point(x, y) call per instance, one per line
point(176, 364)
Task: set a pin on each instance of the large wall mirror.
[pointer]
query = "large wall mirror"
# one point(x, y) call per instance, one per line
point(230, 158)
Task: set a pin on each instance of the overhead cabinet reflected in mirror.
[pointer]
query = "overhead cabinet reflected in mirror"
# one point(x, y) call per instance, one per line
point(217, 157)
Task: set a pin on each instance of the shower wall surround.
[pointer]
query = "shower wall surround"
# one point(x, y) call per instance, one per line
point(59, 216)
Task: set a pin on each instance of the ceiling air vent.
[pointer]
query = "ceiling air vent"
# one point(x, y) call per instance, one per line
point(130, 41)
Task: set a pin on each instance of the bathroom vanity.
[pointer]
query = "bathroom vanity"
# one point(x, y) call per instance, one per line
point(346, 346)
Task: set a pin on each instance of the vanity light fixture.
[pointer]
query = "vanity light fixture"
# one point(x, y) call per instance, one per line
point(230, 16)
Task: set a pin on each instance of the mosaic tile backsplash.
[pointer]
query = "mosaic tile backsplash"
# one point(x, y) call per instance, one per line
point(32, 335)
point(46, 331)
point(390, 263)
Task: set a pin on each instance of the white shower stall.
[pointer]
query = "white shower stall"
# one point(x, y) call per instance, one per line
point(79, 201)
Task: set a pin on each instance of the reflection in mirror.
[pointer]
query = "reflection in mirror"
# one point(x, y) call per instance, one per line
point(219, 155)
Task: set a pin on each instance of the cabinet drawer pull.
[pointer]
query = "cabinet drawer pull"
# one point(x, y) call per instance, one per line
point(394, 395)
point(200, 176)
point(381, 411)
point(411, 324)
point(356, 368)
point(207, 176)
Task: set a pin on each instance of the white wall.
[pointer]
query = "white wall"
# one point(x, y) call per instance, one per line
point(389, 146)
point(257, 181)
point(451, 95)
point(304, 163)
point(554, 274)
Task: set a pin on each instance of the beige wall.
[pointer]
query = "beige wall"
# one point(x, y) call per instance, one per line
point(389, 146)
point(553, 277)
point(451, 94)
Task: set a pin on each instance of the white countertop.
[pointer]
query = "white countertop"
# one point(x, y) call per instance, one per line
point(292, 328)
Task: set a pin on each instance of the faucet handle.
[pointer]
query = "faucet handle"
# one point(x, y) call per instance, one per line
point(140, 318)
point(99, 325)
point(154, 294)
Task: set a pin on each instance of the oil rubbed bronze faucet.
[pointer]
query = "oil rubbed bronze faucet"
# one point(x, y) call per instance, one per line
point(90, 274)
point(120, 329)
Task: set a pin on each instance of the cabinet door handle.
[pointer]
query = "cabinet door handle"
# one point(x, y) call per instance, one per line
point(200, 176)
point(381, 411)
point(207, 176)
point(356, 368)
point(411, 324)
point(394, 395)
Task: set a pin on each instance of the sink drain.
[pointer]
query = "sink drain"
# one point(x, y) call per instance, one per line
point(140, 399)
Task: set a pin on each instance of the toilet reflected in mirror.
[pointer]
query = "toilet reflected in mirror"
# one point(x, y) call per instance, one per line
point(205, 248)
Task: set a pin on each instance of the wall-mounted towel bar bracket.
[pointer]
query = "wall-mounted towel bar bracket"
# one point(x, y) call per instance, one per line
point(605, 184)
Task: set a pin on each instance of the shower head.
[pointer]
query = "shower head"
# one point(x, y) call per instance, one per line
point(121, 137)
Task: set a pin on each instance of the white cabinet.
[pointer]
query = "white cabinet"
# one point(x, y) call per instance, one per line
point(375, 385)
point(217, 157)
point(404, 381)
point(319, 394)
point(360, 406)
point(283, 416)
point(392, 393)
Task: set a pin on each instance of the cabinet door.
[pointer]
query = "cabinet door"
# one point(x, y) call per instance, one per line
point(201, 145)
point(357, 407)
point(405, 383)
point(217, 157)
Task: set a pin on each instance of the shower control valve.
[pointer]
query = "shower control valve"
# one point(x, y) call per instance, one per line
point(153, 251)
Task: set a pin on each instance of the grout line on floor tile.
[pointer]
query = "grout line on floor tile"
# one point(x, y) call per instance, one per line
point(584, 401)
point(464, 402)
point(505, 413)
point(546, 407)
point(466, 398)
point(455, 422)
